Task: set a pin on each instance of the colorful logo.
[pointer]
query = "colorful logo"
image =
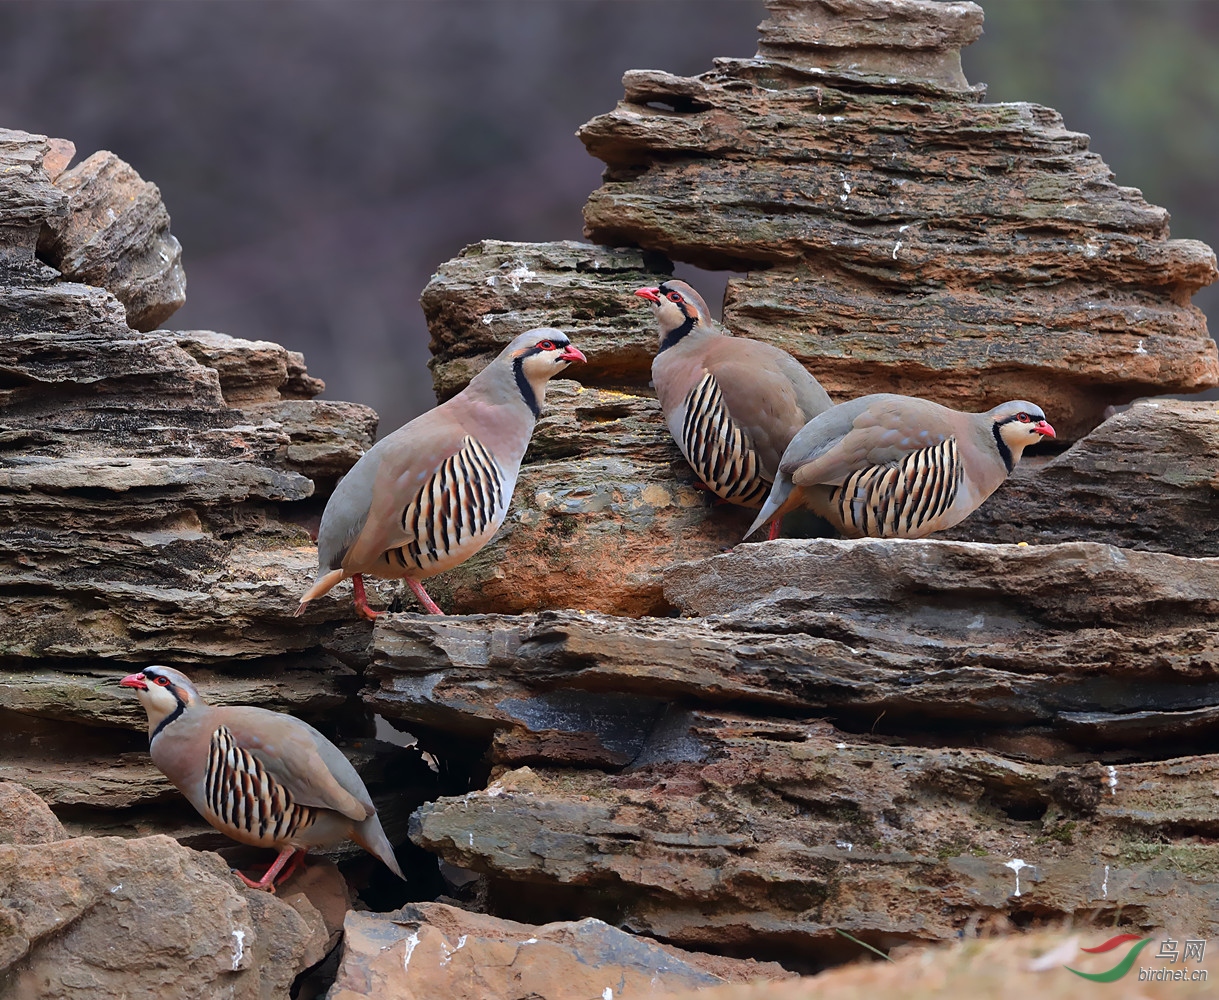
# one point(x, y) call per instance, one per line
point(1122, 967)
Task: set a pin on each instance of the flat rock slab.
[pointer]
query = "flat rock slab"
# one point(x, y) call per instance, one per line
point(493, 290)
point(764, 837)
point(1146, 478)
point(428, 950)
point(1040, 650)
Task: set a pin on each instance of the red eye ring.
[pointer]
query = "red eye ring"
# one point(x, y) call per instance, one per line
point(675, 297)
point(1024, 418)
point(546, 345)
point(163, 681)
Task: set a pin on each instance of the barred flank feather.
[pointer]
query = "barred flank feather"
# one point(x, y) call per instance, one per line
point(240, 792)
point(459, 503)
point(718, 450)
point(899, 501)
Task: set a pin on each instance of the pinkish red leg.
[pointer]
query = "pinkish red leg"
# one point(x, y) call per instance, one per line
point(362, 608)
point(774, 529)
point(427, 602)
point(268, 880)
point(297, 862)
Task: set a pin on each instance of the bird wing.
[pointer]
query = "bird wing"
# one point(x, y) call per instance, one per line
point(768, 393)
point(311, 768)
point(406, 463)
point(872, 431)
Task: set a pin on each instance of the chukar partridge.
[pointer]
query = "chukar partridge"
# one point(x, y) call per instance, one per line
point(888, 466)
point(732, 404)
point(260, 777)
point(435, 491)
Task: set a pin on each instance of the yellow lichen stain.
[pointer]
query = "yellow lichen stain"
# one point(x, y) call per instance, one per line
point(656, 495)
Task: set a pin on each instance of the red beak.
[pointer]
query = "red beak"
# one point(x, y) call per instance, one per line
point(651, 294)
point(1043, 428)
point(572, 353)
point(134, 681)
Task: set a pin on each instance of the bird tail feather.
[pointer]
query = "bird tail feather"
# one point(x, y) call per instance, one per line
point(778, 502)
point(321, 585)
point(370, 836)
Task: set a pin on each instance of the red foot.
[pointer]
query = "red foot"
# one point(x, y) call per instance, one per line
point(362, 608)
point(428, 604)
point(774, 529)
point(269, 881)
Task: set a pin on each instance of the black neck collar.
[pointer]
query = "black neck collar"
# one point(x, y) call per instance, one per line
point(676, 334)
point(167, 720)
point(527, 394)
point(1005, 452)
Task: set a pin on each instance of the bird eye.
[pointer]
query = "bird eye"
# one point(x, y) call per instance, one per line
point(1024, 418)
point(546, 345)
point(675, 297)
point(163, 681)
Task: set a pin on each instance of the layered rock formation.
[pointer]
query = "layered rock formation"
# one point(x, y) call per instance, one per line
point(157, 493)
point(901, 236)
point(907, 742)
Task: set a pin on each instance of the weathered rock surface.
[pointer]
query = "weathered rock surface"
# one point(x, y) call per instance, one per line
point(158, 489)
point(900, 235)
point(765, 837)
point(493, 290)
point(126, 919)
point(1012, 967)
point(971, 688)
point(116, 236)
point(1083, 645)
point(25, 818)
point(430, 950)
point(1147, 478)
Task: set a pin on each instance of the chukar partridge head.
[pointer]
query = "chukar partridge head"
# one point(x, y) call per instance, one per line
point(431, 494)
point(679, 310)
point(732, 404)
point(889, 466)
point(261, 777)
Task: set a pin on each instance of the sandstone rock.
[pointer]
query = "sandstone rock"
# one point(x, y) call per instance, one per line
point(25, 818)
point(1010, 967)
point(766, 837)
point(1145, 479)
point(493, 290)
point(116, 236)
point(159, 490)
point(1042, 650)
point(899, 252)
point(28, 198)
point(125, 918)
point(433, 950)
point(867, 40)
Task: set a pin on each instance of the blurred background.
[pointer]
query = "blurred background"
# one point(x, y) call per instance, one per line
point(320, 158)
